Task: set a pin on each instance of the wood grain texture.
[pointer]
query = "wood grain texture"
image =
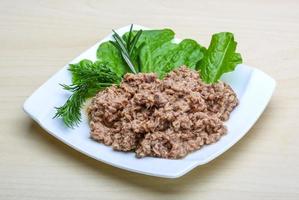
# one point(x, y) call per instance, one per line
point(37, 38)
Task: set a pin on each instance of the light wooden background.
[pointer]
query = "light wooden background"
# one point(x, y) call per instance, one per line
point(37, 38)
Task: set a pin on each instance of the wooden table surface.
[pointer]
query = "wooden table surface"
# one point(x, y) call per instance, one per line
point(37, 38)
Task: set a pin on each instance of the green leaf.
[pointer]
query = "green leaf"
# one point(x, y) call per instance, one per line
point(157, 53)
point(109, 54)
point(220, 57)
point(171, 56)
point(148, 41)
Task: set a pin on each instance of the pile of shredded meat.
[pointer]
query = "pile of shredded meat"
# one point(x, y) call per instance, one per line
point(162, 118)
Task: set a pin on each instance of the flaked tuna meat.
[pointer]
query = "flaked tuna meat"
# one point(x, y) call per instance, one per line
point(166, 118)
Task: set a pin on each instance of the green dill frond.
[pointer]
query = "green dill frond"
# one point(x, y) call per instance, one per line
point(88, 79)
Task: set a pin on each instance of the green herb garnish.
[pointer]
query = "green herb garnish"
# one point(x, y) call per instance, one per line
point(126, 48)
point(221, 57)
point(145, 51)
point(88, 79)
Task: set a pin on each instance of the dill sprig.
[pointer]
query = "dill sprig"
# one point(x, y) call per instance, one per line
point(126, 48)
point(88, 79)
point(70, 112)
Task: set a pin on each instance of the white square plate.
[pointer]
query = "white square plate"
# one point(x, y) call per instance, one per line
point(253, 88)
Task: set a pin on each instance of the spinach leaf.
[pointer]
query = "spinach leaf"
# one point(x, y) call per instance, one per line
point(157, 53)
point(146, 44)
point(109, 54)
point(170, 56)
point(220, 57)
